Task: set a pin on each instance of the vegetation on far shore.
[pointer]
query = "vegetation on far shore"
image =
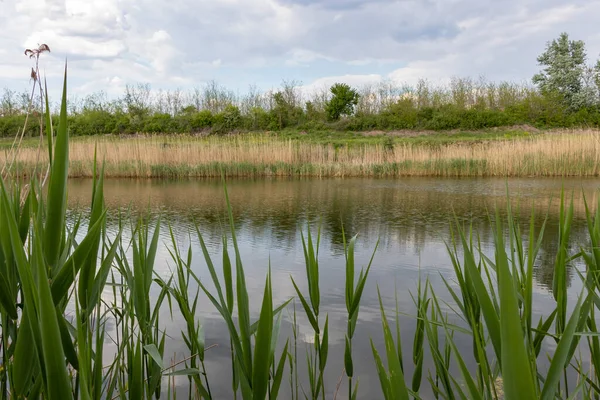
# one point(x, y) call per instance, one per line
point(464, 104)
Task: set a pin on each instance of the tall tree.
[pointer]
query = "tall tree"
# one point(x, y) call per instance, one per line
point(343, 101)
point(564, 66)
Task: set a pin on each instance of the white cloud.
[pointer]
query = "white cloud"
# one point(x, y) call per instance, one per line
point(239, 42)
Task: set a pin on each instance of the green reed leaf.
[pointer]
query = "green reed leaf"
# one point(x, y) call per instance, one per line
point(57, 187)
point(311, 317)
point(516, 370)
point(262, 359)
point(561, 355)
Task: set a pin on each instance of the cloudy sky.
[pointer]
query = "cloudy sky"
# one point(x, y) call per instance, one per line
point(183, 43)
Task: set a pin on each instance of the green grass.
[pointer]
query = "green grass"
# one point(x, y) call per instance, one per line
point(346, 138)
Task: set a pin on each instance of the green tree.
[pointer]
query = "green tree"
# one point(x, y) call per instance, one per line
point(286, 112)
point(564, 66)
point(343, 101)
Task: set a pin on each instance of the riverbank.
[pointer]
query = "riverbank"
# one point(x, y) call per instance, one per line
point(505, 153)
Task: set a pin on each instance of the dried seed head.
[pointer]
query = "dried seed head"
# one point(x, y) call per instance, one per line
point(35, 53)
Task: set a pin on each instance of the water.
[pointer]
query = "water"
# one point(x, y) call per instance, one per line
point(410, 218)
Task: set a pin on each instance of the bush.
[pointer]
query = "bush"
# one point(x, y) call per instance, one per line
point(158, 123)
point(91, 123)
point(532, 108)
point(257, 118)
point(228, 120)
point(201, 120)
point(11, 125)
point(401, 115)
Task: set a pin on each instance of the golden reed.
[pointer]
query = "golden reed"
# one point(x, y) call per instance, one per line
point(565, 153)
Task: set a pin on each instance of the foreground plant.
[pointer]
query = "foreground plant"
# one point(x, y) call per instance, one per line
point(39, 261)
point(354, 291)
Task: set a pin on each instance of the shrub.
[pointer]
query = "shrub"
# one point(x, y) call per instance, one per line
point(201, 120)
point(11, 125)
point(96, 122)
point(158, 123)
point(401, 115)
point(228, 120)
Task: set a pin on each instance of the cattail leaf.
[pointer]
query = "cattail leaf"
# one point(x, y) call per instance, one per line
point(49, 130)
point(350, 274)
point(100, 280)
point(25, 217)
point(474, 391)
point(66, 274)
point(279, 373)
point(184, 372)
point(561, 356)
point(136, 390)
point(243, 304)
point(57, 187)
point(7, 298)
point(516, 370)
point(348, 365)
point(58, 383)
point(151, 256)
point(67, 342)
point(307, 309)
point(153, 352)
point(212, 270)
point(362, 280)
point(324, 346)
point(25, 361)
point(227, 276)
point(88, 271)
point(262, 359)
point(384, 380)
point(397, 384)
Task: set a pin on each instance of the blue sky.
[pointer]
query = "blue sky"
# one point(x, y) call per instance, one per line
point(184, 43)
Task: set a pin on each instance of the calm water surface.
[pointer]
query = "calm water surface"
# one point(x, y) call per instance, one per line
point(409, 217)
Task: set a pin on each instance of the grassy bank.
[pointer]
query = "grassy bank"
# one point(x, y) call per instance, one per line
point(460, 154)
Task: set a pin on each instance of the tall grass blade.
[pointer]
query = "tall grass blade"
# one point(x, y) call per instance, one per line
point(262, 359)
point(58, 384)
point(397, 385)
point(561, 356)
point(57, 187)
point(279, 373)
point(516, 370)
point(49, 130)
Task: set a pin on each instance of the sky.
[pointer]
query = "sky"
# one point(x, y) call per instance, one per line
point(185, 43)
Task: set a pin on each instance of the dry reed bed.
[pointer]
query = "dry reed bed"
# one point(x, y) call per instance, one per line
point(568, 154)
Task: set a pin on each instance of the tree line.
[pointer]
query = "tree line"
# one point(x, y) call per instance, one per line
point(565, 93)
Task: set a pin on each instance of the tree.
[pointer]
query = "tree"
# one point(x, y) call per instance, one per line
point(286, 110)
point(564, 64)
point(8, 103)
point(597, 74)
point(589, 95)
point(343, 101)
